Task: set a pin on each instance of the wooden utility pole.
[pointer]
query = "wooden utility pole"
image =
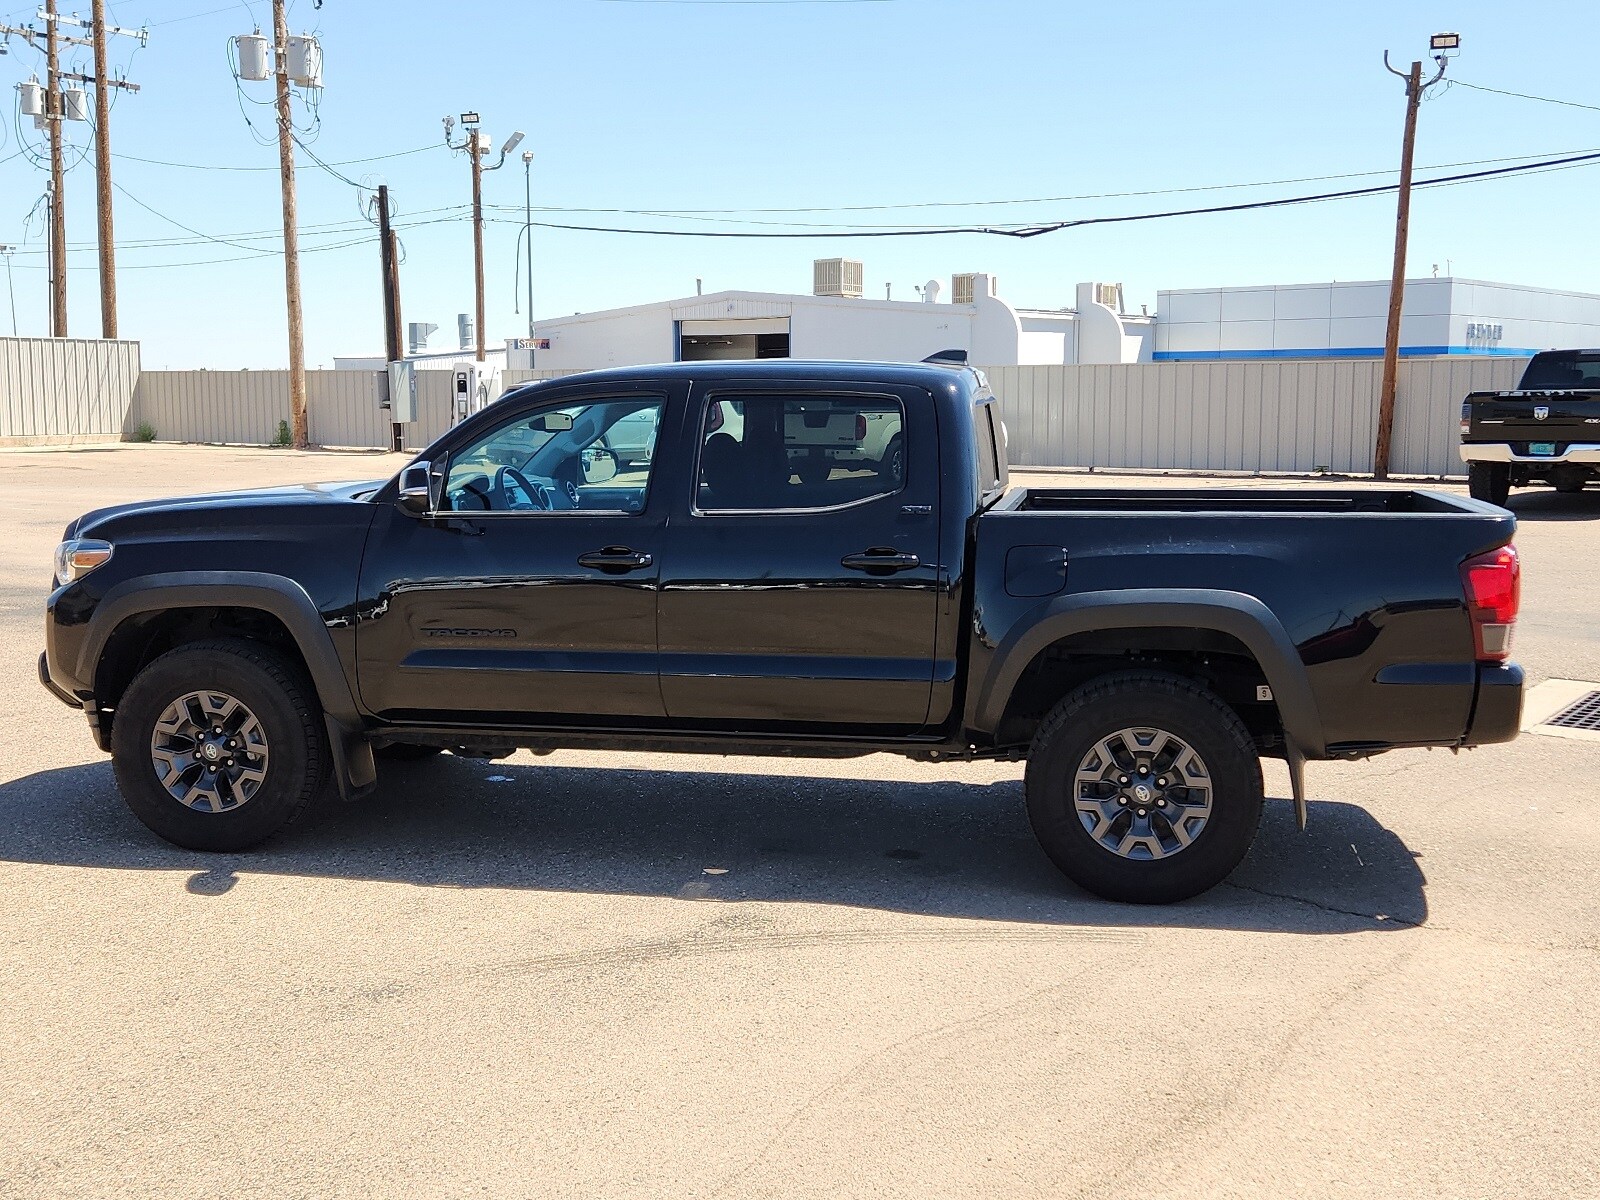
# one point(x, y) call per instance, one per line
point(58, 223)
point(299, 434)
point(393, 346)
point(1397, 279)
point(475, 155)
point(102, 174)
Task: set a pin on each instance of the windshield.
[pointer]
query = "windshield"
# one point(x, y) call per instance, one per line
point(1565, 370)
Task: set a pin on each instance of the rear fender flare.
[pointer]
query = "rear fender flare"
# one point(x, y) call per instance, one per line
point(1234, 613)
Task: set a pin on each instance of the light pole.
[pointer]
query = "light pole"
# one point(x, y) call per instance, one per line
point(527, 229)
point(8, 251)
point(476, 144)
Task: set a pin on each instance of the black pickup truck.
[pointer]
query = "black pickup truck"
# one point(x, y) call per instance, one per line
point(1546, 431)
point(515, 587)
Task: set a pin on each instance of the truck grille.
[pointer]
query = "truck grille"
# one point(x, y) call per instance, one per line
point(1585, 714)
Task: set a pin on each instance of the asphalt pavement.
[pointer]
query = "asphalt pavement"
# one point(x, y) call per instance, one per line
point(626, 975)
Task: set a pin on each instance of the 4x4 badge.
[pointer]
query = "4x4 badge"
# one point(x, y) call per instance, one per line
point(1540, 412)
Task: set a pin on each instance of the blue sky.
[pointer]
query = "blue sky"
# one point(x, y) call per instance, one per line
point(676, 105)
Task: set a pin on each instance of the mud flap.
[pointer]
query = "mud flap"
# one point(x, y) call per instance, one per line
point(354, 768)
point(1297, 783)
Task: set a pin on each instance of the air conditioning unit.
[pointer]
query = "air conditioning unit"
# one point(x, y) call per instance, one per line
point(836, 277)
point(964, 288)
point(1109, 294)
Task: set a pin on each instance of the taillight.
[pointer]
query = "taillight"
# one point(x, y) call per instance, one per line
point(861, 427)
point(1493, 584)
point(1466, 419)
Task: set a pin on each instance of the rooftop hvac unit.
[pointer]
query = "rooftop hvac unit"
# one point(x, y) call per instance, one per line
point(252, 50)
point(75, 104)
point(305, 61)
point(964, 288)
point(418, 333)
point(1109, 294)
point(836, 277)
point(30, 95)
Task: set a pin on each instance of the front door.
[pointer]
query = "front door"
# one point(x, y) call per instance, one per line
point(802, 585)
point(529, 595)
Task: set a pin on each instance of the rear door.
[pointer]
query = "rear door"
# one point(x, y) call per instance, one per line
point(801, 588)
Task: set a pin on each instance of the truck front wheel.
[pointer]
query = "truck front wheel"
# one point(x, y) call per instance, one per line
point(1489, 481)
point(1144, 787)
point(217, 745)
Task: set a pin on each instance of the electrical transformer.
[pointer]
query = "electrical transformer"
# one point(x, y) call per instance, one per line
point(305, 61)
point(253, 63)
point(30, 95)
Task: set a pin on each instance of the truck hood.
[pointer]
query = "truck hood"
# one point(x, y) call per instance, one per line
point(228, 505)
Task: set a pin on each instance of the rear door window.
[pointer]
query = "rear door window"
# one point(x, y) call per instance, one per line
point(799, 451)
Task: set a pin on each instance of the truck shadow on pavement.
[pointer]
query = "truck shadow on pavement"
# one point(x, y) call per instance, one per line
point(944, 848)
point(1545, 504)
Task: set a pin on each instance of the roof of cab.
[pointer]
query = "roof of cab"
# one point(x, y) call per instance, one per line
point(929, 375)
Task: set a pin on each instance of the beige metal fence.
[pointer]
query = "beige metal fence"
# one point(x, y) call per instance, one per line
point(1226, 416)
point(66, 389)
point(1240, 416)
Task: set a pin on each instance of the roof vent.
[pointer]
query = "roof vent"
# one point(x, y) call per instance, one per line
point(836, 277)
point(964, 288)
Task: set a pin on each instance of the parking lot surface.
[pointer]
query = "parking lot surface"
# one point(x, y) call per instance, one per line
point(627, 975)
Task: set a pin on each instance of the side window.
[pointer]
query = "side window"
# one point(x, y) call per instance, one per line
point(983, 429)
point(590, 456)
point(799, 451)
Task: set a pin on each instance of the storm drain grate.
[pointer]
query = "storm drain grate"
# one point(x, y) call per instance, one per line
point(1585, 714)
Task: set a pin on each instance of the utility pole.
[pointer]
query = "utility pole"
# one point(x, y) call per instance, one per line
point(55, 111)
point(527, 229)
point(299, 433)
point(476, 144)
point(1441, 44)
point(388, 259)
point(58, 224)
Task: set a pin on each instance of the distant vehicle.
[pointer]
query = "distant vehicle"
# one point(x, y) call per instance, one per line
point(1545, 431)
point(1142, 650)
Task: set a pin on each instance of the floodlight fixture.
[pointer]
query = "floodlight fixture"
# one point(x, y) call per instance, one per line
point(1445, 41)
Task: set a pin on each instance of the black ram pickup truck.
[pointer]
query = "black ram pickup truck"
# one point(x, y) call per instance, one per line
point(515, 586)
point(1546, 431)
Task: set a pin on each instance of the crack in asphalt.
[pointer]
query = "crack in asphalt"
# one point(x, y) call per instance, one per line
point(1383, 919)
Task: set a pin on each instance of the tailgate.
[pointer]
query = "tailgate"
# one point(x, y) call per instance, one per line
point(1534, 417)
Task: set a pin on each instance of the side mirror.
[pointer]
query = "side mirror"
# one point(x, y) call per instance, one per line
point(599, 465)
point(416, 489)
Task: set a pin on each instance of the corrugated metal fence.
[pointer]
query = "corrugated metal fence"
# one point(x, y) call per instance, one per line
point(1224, 416)
point(1241, 416)
point(66, 389)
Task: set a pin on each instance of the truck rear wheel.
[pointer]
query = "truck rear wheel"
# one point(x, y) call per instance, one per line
point(218, 745)
point(1144, 787)
point(1489, 481)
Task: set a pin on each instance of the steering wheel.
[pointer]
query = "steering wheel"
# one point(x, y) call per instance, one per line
point(536, 496)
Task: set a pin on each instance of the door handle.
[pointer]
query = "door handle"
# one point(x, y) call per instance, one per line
point(880, 560)
point(615, 559)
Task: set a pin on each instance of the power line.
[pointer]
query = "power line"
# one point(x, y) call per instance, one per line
point(1055, 226)
point(1478, 87)
point(348, 162)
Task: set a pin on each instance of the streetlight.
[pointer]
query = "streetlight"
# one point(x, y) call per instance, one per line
point(476, 144)
point(8, 252)
point(527, 228)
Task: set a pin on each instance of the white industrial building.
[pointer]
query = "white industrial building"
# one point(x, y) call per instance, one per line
point(1441, 316)
point(837, 322)
point(1348, 320)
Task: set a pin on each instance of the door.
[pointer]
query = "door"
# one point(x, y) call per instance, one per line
point(528, 595)
point(802, 585)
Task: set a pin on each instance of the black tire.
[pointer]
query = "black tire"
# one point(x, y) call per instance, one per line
point(1570, 483)
point(893, 464)
point(1489, 481)
point(814, 468)
point(406, 752)
point(284, 703)
point(1178, 707)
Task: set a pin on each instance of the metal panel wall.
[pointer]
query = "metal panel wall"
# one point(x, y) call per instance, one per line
point(243, 407)
point(1240, 416)
point(65, 389)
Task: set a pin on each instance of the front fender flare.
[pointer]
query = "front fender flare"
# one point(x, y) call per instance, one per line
point(1233, 613)
point(286, 600)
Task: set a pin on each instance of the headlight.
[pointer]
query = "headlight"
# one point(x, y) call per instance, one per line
point(76, 557)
